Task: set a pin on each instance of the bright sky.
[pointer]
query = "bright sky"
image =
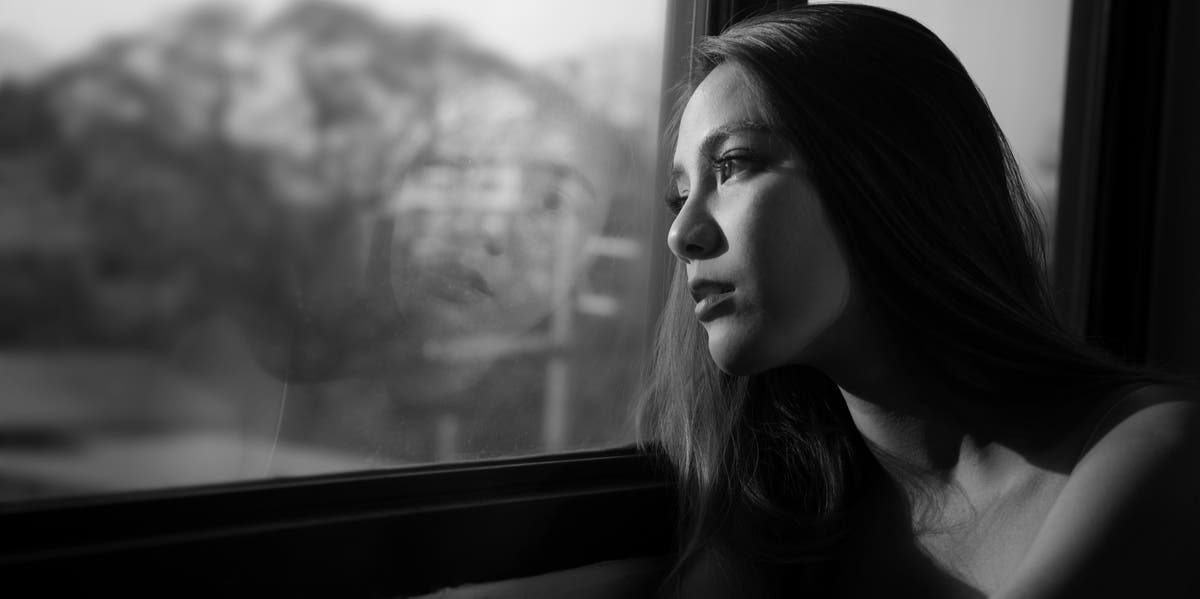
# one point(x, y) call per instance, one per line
point(1015, 49)
point(526, 30)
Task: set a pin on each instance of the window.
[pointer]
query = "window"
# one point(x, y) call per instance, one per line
point(291, 238)
point(413, 530)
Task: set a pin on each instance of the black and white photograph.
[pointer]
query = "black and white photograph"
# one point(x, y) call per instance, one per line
point(670, 299)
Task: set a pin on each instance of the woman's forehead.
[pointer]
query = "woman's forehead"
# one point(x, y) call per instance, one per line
point(723, 104)
point(722, 97)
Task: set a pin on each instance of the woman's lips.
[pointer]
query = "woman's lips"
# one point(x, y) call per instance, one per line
point(712, 299)
point(714, 306)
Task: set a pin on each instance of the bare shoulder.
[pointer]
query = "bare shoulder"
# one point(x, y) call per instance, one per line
point(1151, 418)
point(1127, 522)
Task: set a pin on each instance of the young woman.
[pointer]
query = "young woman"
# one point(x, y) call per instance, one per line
point(860, 377)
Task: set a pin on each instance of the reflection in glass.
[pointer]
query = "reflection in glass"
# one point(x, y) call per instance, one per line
point(319, 240)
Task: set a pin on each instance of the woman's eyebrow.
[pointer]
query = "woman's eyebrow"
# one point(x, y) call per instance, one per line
point(716, 137)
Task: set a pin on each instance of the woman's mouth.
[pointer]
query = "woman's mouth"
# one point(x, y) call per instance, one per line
point(712, 299)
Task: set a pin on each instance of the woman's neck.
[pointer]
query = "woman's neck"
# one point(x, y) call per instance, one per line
point(941, 450)
point(910, 417)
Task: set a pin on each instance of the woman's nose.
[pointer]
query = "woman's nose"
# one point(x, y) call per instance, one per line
point(694, 236)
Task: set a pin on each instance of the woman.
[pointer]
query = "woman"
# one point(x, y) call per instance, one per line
point(860, 377)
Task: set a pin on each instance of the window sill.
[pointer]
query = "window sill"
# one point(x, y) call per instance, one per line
point(388, 533)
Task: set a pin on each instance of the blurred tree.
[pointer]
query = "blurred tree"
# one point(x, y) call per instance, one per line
point(352, 192)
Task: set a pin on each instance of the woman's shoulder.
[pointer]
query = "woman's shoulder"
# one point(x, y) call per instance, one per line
point(1147, 419)
point(1145, 438)
point(1128, 517)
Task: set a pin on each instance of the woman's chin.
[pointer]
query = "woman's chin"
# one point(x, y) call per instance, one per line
point(737, 357)
point(735, 362)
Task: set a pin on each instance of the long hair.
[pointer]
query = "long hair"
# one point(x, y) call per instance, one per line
point(929, 205)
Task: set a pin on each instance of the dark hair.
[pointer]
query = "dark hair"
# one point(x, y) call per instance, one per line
point(930, 209)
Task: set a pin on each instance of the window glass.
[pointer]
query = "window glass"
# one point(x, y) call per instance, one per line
point(1016, 51)
point(272, 238)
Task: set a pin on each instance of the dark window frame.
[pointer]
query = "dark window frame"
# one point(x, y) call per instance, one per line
point(389, 533)
point(1124, 253)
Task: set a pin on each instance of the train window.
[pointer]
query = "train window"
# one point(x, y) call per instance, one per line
point(288, 237)
point(1017, 53)
point(280, 238)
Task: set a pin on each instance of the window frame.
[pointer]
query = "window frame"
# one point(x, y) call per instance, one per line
point(1124, 250)
point(390, 533)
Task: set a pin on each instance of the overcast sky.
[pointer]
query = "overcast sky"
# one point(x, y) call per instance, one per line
point(519, 28)
point(1015, 49)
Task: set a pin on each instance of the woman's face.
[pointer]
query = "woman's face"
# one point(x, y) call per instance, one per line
point(763, 264)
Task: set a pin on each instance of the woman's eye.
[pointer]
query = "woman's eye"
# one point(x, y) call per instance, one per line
point(675, 202)
point(728, 166)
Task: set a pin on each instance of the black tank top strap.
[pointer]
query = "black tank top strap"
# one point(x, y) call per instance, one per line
point(1115, 399)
